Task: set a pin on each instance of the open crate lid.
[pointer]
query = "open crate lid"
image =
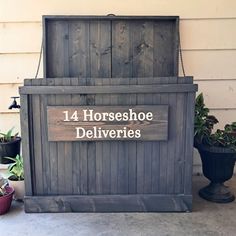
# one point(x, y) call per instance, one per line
point(110, 46)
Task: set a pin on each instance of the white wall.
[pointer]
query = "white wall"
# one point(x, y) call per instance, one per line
point(208, 38)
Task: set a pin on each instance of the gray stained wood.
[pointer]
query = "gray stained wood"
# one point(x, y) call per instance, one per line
point(119, 167)
point(114, 61)
point(154, 127)
point(109, 203)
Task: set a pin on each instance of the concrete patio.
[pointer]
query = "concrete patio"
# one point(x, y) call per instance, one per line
point(206, 219)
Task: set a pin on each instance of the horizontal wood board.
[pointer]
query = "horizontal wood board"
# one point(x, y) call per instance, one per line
point(109, 203)
point(117, 167)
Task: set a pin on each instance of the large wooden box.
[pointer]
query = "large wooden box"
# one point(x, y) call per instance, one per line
point(115, 61)
point(108, 176)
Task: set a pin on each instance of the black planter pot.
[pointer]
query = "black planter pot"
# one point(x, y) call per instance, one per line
point(218, 166)
point(10, 149)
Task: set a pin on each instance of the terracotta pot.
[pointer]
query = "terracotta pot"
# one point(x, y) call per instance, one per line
point(5, 201)
point(19, 187)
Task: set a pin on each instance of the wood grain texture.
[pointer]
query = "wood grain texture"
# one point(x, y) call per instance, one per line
point(106, 89)
point(109, 203)
point(116, 63)
point(26, 143)
point(130, 119)
point(77, 31)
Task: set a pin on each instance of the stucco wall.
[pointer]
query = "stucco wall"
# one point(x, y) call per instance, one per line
point(208, 38)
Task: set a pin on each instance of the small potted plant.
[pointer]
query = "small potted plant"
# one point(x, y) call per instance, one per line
point(217, 151)
point(16, 176)
point(9, 146)
point(6, 194)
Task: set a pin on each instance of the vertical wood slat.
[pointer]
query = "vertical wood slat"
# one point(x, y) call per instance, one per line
point(59, 100)
point(120, 63)
point(37, 133)
point(132, 152)
point(106, 151)
point(75, 100)
point(57, 49)
point(45, 143)
point(67, 150)
point(79, 55)
point(27, 144)
point(156, 99)
point(181, 103)
point(164, 53)
point(188, 166)
point(171, 158)
point(52, 150)
point(82, 150)
point(124, 160)
point(100, 66)
point(164, 99)
point(142, 33)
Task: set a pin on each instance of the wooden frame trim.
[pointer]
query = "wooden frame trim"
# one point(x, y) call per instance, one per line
point(122, 89)
point(107, 17)
point(109, 203)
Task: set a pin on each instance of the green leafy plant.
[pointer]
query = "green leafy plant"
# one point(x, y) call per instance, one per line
point(8, 136)
point(204, 124)
point(3, 184)
point(16, 169)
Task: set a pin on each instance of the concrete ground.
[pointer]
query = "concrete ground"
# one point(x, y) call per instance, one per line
point(206, 219)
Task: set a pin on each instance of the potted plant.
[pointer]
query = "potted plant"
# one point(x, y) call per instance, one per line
point(6, 194)
point(9, 146)
point(217, 151)
point(16, 176)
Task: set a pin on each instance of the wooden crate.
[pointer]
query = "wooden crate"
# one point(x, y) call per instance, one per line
point(108, 176)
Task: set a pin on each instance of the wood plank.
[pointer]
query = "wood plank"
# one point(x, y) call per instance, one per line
point(26, 144)
point(181, 107)
point(106, 152)
point(53, 161)
point(45, 143)
point(79, 49)
point(132, 152)
point(83, 152)
point(172, 138)
point(57, 49)
point(109, 89)
point(109, 203)
point(68, 188)
point(164, 99)
point(100, 66)
point(143, 66)
point(60, 168)
point(75, 100)
point(98, 81)
point(164, 49)
point(38, 168)
point(121, 51)
point(97, 122)
point(155, 168)
point(188, 167)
